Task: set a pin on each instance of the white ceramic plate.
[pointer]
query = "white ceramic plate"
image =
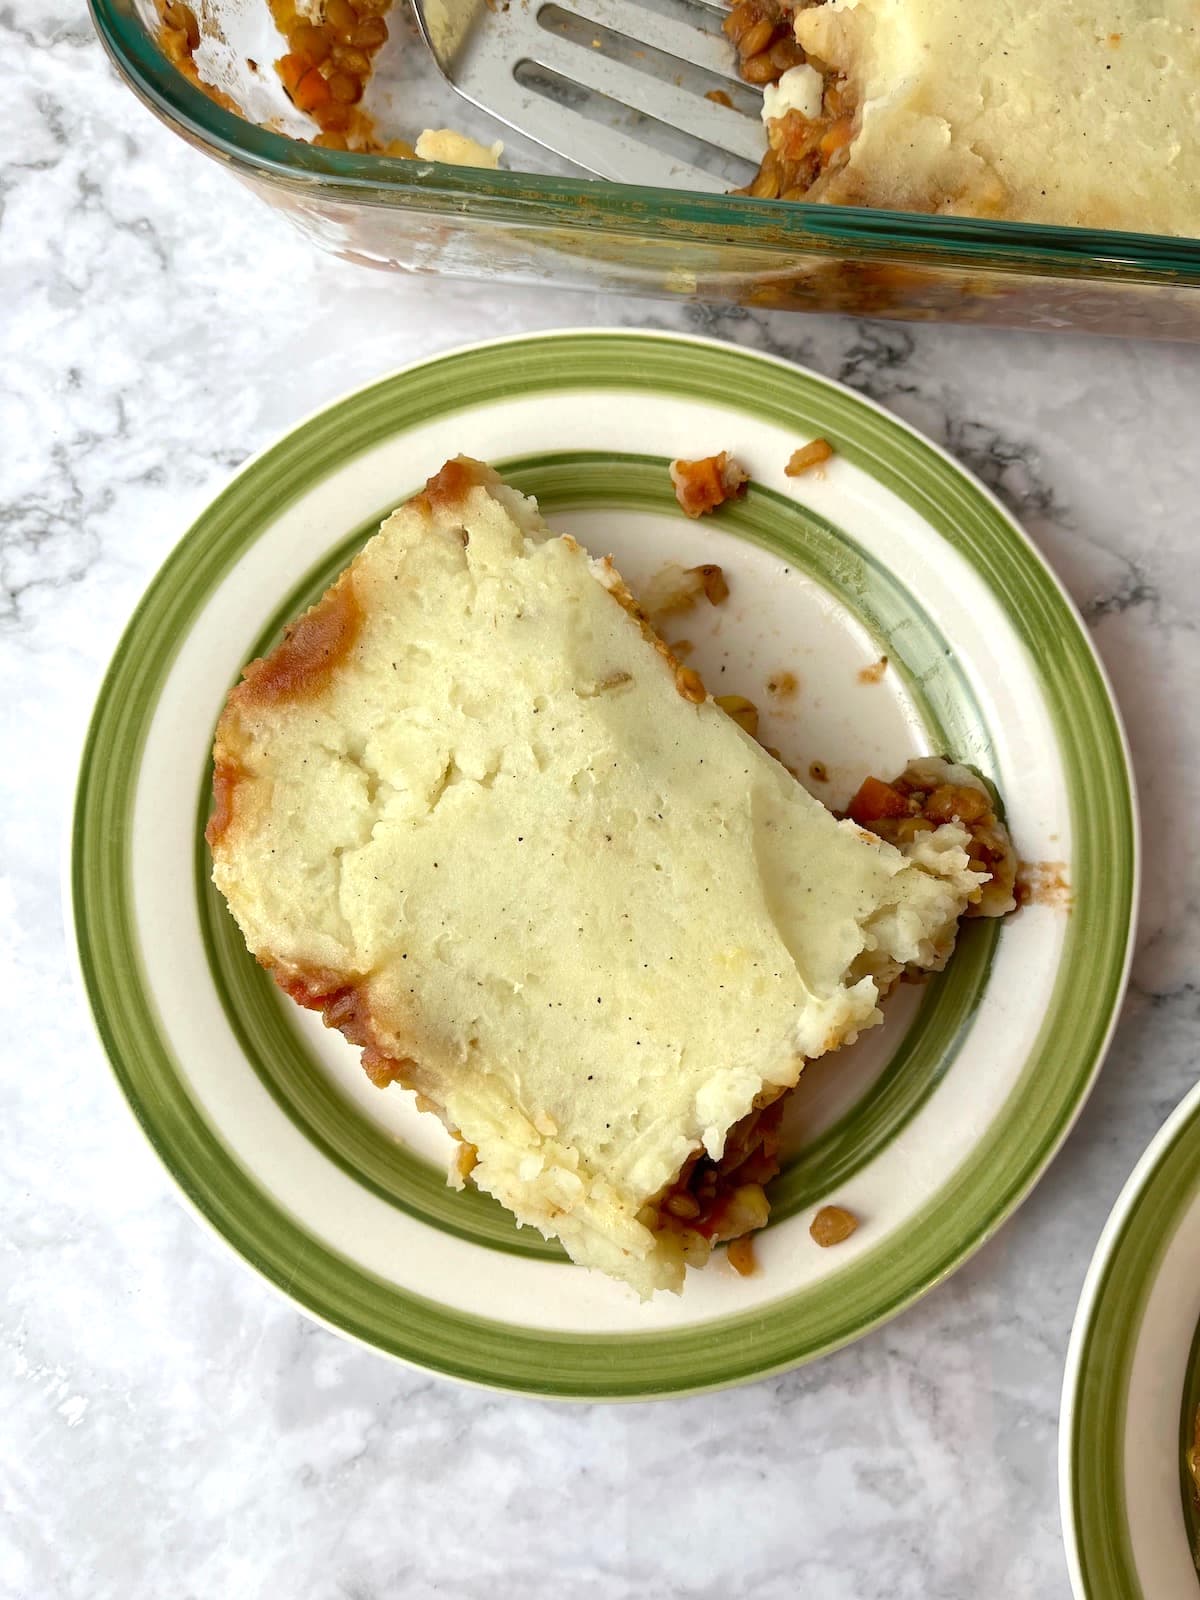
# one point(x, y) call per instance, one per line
point(1133, 1383)
point(932, 1130)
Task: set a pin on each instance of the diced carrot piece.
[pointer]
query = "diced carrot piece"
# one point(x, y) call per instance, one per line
point(838, 136)
point(312, 91)
point(793, 135)
point(876, 799)
point(291, 68)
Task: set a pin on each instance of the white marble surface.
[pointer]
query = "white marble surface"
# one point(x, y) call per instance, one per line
point(170, 1427)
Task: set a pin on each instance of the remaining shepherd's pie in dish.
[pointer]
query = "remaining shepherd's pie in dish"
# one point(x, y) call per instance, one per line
point(1064, 112)
point(473, 810)
point(1050, 111)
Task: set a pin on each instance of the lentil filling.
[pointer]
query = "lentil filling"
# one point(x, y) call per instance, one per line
point(799, 148)
point(328, 63)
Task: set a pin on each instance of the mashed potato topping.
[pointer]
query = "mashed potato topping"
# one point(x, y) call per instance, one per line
point(1063, 112)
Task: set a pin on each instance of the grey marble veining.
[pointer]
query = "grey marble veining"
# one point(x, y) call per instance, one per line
point(170, 1427)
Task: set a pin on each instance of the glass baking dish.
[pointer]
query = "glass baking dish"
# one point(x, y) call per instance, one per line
point(530, 227)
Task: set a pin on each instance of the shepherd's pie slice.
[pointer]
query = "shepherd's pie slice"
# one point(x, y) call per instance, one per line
point(471, 809)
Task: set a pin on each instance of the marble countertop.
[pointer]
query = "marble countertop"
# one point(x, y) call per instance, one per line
point(170, 1425)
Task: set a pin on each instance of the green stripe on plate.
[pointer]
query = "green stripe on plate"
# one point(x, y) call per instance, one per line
point(1096, 1445)
point(977, 1196)
point(1187, 1433)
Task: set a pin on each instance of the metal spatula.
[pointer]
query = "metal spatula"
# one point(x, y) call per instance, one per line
point(615, 86)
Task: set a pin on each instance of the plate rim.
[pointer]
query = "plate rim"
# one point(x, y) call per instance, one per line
point(1137, 1188)
point(1126, 783)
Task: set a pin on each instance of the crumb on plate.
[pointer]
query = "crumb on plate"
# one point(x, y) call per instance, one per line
point(809, 456)
point(832, 1225)
point(703, 485)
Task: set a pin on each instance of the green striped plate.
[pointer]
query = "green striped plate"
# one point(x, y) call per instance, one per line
point(1133, 1384)
point(932, 1128)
